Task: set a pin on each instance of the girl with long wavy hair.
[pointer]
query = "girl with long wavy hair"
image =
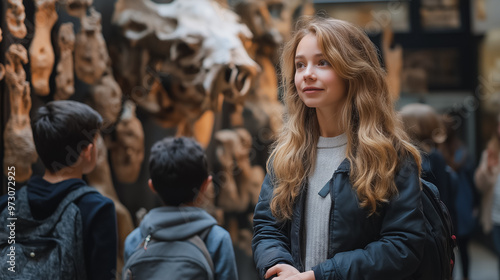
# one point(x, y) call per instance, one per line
point(342, 198)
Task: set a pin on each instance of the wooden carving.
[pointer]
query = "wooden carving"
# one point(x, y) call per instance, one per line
point(41, 51)
point(100, 178)
point(15, 18)
point(65, 83)
point(106, 98)
point(91, 54)
point(127, 150)
point(18, 138)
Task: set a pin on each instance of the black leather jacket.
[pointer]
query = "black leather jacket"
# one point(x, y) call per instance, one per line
point(388, 245)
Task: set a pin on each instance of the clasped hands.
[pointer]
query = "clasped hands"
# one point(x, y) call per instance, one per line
point(288, 272)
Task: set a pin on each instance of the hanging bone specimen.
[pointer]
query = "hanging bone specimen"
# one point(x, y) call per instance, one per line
point(2, 68)
point(262, 100)
point(15, 18)
point(41, 52)
point(91, 55)
point(106, 98)
point(127, 150)
point(65, 84)
point(100, 178)
point(18, 137)
point(282, 13)
point(77, 8)
point(240, 181)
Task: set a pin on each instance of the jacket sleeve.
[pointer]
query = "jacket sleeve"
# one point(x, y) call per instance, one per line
point(220, 247)
point(271, 240)
point(131, 244)
point(396, 254)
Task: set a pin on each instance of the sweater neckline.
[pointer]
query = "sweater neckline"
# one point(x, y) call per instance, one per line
point(332, 142)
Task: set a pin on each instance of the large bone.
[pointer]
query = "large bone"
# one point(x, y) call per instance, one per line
point(198, 42)
point(262, 100)
point(283, 14)
point(65, 83)
point(106, 98)
point(127, 151)
point(91, 54)
point(41, 52)
point(100, 178)
point(240, 181)
point(15, 18)
point(20, 150)
point(2, 68)
point(78, 8)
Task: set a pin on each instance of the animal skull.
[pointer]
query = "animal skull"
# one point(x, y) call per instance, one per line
point(198, 43)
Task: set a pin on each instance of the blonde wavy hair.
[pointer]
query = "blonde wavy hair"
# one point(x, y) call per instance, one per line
point(376, 141)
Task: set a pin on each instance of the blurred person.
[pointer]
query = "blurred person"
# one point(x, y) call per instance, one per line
point(458, 158)
point(425, 128)
point(487, 182)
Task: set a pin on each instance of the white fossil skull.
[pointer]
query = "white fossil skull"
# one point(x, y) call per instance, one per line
point(198, 43)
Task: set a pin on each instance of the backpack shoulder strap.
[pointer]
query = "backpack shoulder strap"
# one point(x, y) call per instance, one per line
point(199, 241)
point(70, 197)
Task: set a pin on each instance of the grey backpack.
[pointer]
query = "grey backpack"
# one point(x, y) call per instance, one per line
point(160, 259)
point(43, 249)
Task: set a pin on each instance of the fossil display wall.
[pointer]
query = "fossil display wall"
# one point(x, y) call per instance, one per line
point(199, 68)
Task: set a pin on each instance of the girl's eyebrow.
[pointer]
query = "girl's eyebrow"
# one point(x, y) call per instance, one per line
point(301, 56)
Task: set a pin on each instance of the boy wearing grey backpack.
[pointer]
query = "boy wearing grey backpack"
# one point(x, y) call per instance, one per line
point(63, 229)
point(179, 240)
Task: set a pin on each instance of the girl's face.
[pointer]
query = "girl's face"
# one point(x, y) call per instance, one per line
point(317, 83)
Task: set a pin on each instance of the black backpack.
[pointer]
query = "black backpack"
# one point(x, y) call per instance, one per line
point(186, 259)
point(43, 249)
point(439, 257)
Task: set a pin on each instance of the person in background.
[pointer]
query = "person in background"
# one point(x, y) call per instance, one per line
point(426, 129)
point(486, 179)
point(459, 160)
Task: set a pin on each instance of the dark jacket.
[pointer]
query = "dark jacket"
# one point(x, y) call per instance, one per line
point(434, 170)
point(179, 223)
point(388, 245)
point(98, 221)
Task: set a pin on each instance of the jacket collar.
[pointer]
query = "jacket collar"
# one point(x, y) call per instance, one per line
point(345, 166)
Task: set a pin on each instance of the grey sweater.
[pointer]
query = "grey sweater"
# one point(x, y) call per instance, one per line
point(330, 153)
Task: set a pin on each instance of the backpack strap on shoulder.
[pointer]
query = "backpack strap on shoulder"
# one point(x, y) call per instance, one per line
point(199, 241)
point(70, 197)
point(204, 234)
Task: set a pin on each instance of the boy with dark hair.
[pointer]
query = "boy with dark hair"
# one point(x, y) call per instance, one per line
point(65, 135)
point(179, 175)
